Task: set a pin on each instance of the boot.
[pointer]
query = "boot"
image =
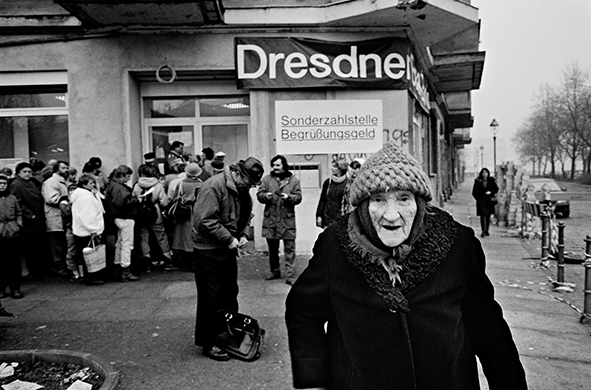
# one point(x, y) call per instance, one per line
point(127, 276)
point(117, 273)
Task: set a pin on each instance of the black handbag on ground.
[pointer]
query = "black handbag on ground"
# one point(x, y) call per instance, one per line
point(241, 335)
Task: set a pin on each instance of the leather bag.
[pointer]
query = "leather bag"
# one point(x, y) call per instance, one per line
point(242, 336)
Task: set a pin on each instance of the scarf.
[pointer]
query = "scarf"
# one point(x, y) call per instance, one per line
point(338, 179)
point(281, 176)
point(392, 273)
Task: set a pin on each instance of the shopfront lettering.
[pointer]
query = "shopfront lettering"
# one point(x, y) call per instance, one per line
point(266, 63)
point(296, 65)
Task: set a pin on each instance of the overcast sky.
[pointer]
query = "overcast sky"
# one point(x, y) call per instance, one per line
point(528, 43)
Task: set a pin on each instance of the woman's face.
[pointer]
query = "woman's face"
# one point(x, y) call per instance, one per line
point(3, 185)
point(335, 170)
point(392, 215)
point(26, 173)
point(484, 174)
point(90, 186)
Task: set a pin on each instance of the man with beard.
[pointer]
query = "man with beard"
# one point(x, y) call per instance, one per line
point(53, 189)
point(221, 216)
point(280, 192)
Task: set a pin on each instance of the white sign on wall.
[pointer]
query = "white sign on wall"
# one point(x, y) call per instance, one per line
point(328, 126)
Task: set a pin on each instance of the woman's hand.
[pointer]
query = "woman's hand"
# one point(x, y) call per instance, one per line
point(487, 192)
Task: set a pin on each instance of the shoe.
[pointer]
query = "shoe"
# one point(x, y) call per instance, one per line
point(486, 233)
point(216, 353)
point(482, 235)
point(17, 294)
point(127, 276)
point(273, 276)
point(4, 313)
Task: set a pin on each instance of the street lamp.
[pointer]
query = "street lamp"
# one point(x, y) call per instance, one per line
point(494, 127)
point(481, 156)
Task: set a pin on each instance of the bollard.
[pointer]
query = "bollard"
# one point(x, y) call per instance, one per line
point(560, 258)
point(545, 219)
point(586, 317)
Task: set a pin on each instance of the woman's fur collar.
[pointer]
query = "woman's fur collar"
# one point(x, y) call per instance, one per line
point(428, 251)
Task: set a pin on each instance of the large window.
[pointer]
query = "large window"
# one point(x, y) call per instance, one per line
point(33, 120)
point(219, 122)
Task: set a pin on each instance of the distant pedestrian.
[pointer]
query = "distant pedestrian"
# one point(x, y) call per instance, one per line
point(221, 215)
point(354, 167)
point(331, 198)
point(280, 192)
point(11, 222)
point(484, 190)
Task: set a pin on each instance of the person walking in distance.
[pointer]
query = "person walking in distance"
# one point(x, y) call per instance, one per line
point(484, 189)
point(330, 203)
point(221, 215)
point(280, 192)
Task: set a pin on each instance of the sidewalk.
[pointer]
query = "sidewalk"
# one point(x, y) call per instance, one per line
point(145, 329)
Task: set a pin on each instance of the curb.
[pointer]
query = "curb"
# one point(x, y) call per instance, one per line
point(97, 364)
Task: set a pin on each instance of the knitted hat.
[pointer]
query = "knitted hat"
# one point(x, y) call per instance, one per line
point(387, 170)
point(193, 169)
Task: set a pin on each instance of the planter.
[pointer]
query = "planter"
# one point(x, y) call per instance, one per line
point(105, 370)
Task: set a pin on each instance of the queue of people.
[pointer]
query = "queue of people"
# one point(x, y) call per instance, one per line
point(393, 280)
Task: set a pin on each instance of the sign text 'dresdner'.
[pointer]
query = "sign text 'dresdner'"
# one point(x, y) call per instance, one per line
point(328, 126)
point(281, 62)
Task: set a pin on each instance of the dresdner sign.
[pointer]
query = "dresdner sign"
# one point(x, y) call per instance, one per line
point(385, 63)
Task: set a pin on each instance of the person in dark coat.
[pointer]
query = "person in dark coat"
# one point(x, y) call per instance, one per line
point(402, 290)
point(484, 189)
point(221, 215)
point(331, 198)
point(32, 237)
point(11, 221)
point(123, 207)
point(280, 192)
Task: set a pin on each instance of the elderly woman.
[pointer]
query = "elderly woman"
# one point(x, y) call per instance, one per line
point(401, 288)
point(331, 197)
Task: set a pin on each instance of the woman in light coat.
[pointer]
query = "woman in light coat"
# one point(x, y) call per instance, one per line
point(87, 222)
point(11, 221)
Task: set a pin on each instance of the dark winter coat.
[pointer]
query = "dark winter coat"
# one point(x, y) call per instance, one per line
point(218, 214)
point(483, 201)
point(423, 335)
point(279, 216)
point(11, 220)
point(30, 200)
point(330, 202)
point(121, 201)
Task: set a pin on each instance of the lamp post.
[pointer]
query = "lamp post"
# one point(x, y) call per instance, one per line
point(481, 156)
point(494, 127)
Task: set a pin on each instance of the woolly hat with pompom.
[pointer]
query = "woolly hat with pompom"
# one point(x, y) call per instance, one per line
point(387, 170)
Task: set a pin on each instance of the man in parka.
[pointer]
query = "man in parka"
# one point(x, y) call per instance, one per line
point(221, 216)
point(280, 192)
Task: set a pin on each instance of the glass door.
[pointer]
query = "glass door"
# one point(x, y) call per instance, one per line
point(163, 136)
point(231, 139)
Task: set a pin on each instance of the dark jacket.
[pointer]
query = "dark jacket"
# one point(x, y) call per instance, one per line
point(330, 202)
point(483, 201)
point(11, 220)
point(121, 201)
point(30, 200)
point(374, 342)
point(219, 214)
point(279, 216)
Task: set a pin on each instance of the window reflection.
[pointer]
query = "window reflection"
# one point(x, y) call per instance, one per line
point(226, 106)
point(170, 108)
